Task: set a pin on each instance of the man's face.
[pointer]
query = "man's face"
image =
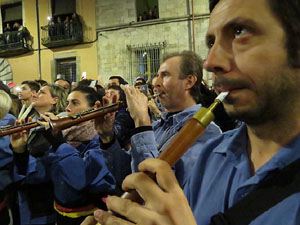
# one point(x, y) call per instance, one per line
point(44, 99)
point(76, 103)
point(114, 81)
point(155, 91)
point(112, 92)
point(64, 84)
point(172, 90)
point(248, 58)
point(25, 93)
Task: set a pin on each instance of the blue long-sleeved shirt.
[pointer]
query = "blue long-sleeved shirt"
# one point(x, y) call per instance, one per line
point(5, 153)
point(221, 177)
point(74, 174)
point(149, 144)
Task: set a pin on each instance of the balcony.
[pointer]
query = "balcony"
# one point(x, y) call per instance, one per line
point(14, 43)
point(61, 34)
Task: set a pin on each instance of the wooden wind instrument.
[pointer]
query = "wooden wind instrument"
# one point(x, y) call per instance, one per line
point(66, 122)
point(187, 135)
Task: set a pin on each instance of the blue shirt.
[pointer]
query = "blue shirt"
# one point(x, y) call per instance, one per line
point(74, 174)
point(222, 176)
point(149, 144)
point(8, 119)
point(5, 153)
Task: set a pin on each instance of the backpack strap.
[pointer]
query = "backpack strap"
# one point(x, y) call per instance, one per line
point(274, 188)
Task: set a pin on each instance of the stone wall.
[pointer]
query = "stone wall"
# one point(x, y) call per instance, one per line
point(113, 20)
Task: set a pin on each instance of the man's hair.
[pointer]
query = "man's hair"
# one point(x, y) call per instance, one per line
point(5, 104)
point(69, 82)
point(41, 82)
point(85, 82)
point(140, 79)
point(34, 86)
point(190, 64)
point(61, 94)
point(121, 79)
point(121, 92)
point(90, 94)
point(287, 12)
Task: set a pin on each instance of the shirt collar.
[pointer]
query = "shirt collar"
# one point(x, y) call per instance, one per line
point(233, 140)
point(180, 115)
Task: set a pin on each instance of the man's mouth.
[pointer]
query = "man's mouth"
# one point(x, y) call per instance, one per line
point(224, 85)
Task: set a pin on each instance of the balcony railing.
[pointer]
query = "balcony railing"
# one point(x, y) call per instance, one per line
point(13, 43)
point(61, 34)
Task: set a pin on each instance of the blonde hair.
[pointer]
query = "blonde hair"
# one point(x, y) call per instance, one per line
point(5, 104)
point(61, 94)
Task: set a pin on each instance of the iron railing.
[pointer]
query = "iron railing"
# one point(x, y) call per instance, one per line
point(62, 34)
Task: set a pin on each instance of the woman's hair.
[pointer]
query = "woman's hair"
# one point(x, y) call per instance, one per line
point(5, 103)
point(90, 94)
point(61, 94)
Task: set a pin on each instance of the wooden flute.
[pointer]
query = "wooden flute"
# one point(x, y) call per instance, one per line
point(187, 135)
point(66, 122)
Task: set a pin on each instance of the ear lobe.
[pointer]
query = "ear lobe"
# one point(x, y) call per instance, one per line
point(190, 81)
point(54, 100)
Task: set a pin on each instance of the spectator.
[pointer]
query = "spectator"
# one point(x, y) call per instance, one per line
point(117, 80)
point(65, 84)
point(155, 12)
point(67, 27)
point(28, 91)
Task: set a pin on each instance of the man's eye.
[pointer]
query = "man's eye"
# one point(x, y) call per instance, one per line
point(210, 42)
point(239, 31)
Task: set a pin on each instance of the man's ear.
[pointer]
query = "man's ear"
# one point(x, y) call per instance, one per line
point(190, 81)
point(54, 100)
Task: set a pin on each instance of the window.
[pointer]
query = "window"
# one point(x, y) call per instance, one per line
point(64, 7)
point(11, 14)
point(147, 10)
point(144, 61)
point(67, 68)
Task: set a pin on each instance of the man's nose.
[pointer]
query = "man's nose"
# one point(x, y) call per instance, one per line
point(157, 82)
point(219, 59)
point(68, 108)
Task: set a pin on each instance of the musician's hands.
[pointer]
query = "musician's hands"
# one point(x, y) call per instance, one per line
point(137, 104)
point(165, 202)
point(47, 116)
point(89, 220)
point(153, 107)
point(104, 125)
point(18, 140)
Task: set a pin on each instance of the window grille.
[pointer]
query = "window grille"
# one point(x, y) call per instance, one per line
point(144, 60)
point(67, 68)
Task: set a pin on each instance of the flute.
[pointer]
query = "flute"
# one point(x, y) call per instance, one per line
point(66, 122)
point(187, 135)
point(152, 96)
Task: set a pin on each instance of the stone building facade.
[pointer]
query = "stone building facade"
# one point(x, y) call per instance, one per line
point(124, 43)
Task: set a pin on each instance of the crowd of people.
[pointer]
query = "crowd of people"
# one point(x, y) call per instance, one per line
point(64, 27)
point(14, 34)
point(243, 169)
point(149, 15)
